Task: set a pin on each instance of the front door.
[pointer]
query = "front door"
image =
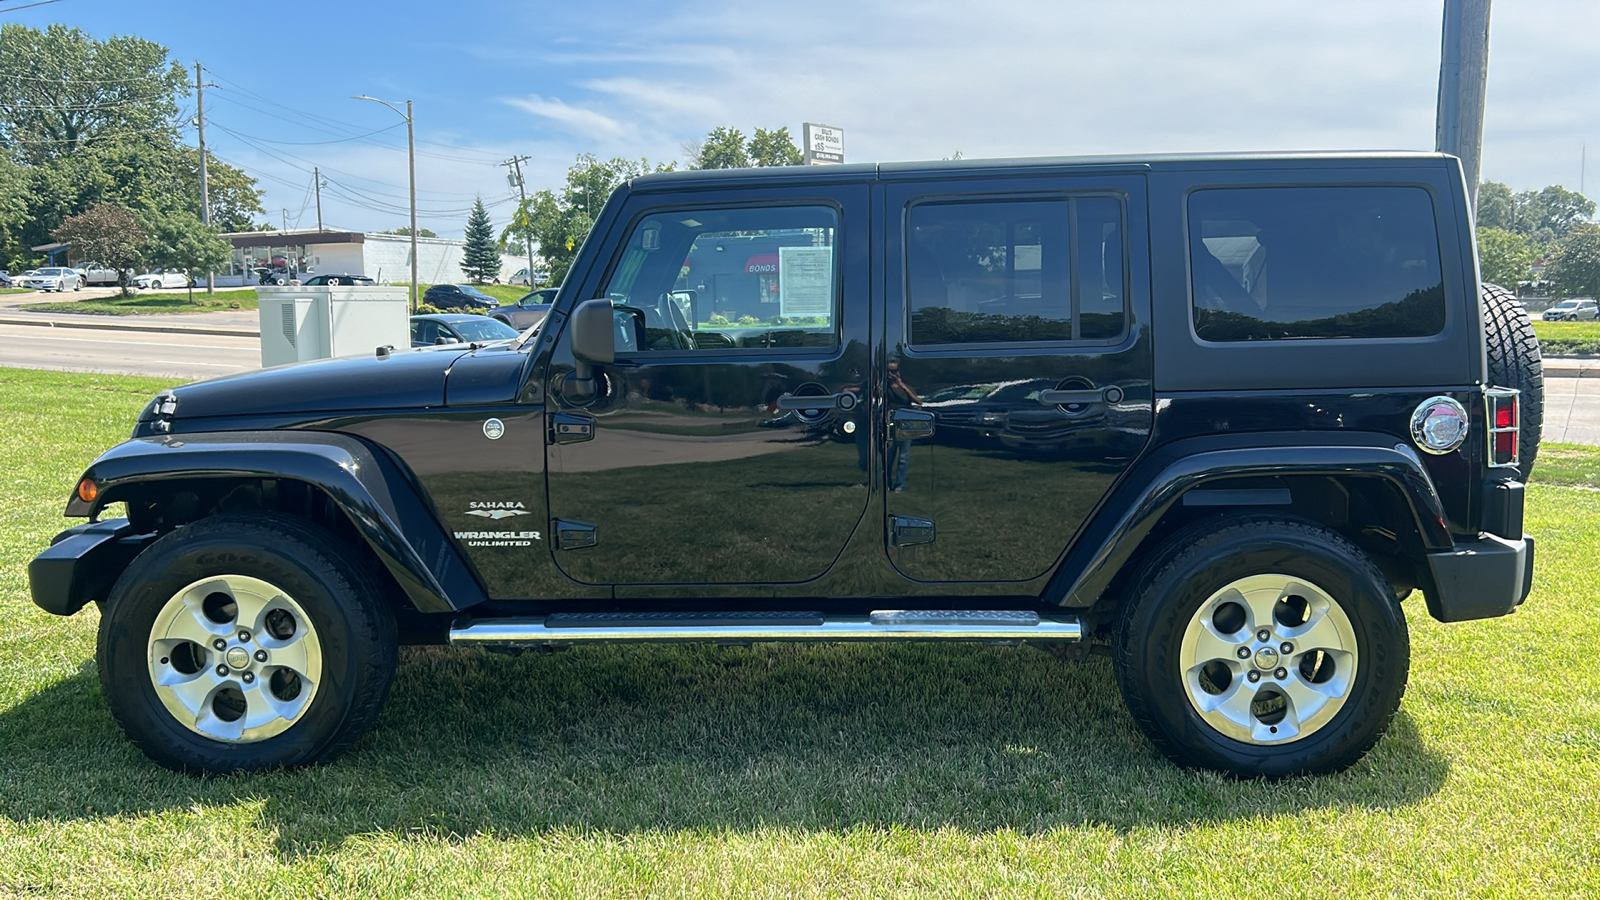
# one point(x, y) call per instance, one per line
point(722, 448)
point(1018, 373)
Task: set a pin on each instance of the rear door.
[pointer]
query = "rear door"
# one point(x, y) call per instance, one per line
point(698, 464)
point(1018, 373)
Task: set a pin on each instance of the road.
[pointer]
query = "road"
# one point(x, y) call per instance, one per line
point(179, 356)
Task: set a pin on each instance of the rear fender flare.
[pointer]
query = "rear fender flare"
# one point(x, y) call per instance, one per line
point(367, 486)
point(1160, 482)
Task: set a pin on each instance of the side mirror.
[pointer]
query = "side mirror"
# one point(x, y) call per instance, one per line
point(592, 345)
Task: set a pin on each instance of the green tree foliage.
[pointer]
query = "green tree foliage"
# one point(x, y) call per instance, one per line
point(1575, 262)
point(405, 231)
point(1505, 256)
point(109, 234)
point(480, 259)
point(774, 148)
point(558, 221)
point(179, 240)
point(725, 148)
point(88, 122)
point(1543, 217)
point(62, 91)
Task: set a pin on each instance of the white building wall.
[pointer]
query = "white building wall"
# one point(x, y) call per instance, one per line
point(388, 259)
point(335, 259)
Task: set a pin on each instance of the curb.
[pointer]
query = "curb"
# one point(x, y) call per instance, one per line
point(129, 326)
point(1572, 367)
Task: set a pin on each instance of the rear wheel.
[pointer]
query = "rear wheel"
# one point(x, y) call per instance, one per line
point(1515, 362)
point(242, 643)
point(1262, 646)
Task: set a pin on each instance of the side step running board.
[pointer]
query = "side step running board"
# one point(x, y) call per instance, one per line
point(883, 625)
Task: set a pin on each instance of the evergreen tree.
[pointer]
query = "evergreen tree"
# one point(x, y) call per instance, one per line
point(481, 261)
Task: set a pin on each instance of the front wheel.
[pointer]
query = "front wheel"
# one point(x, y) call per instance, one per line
point(1262, 646)
point(246, 642)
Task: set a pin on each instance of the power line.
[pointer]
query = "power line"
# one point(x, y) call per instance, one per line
point(27, 6)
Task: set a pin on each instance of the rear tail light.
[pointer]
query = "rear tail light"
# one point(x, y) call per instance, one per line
point(1504, 421)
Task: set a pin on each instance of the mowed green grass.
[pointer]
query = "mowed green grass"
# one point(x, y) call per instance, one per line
point(1568, 338)
point(143, 303)
point(787, 770)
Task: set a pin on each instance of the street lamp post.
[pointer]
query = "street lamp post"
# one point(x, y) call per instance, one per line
point(411, 153)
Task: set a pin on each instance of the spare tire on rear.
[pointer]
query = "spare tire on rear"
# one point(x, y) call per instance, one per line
point(1515, 362)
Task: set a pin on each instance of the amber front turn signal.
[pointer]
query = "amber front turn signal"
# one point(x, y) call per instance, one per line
point(88, 490)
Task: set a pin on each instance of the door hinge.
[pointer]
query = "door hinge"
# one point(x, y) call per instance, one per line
point(573, 535)
point(570, 428)
point(904, 531)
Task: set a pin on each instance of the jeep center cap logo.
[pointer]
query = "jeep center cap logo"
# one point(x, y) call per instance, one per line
point(493, 429)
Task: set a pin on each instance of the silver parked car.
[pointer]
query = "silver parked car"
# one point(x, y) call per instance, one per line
point(159, 279)
point(1572, 311)
point(54, 278)
point(95, 273)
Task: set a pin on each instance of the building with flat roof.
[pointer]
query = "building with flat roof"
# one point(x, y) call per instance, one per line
point(385, 258)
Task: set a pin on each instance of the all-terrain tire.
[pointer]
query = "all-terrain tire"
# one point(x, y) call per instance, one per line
point(1189, 575)
point(1515, 362)
point(338, 592)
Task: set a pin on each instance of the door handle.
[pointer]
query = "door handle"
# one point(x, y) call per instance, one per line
point(844, 400)
point(911, 424)
point(1108, 394)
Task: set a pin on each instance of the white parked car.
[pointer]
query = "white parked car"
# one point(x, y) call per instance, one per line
point(160, 279)
point(95, 273)
point(54, 278)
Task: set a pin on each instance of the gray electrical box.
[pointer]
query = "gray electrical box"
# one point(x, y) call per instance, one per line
point(301, 323)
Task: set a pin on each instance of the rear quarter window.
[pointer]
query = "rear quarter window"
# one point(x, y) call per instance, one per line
point(1305, 263)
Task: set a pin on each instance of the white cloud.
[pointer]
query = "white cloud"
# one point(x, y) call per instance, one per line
point(583, 121)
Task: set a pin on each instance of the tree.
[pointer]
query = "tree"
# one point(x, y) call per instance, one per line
point(1496, 206)
point(62, 91)
point(108, 234)
point(1505, 256)
point(1543, 217)
point(405, 231)
point(723, 148)
point(480, 260)
point(1575, 262)
point(557, 223)
point(774, 148)
point(179, 240)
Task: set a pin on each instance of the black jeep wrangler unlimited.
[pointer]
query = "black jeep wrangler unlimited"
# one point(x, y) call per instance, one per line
point(1216, 414)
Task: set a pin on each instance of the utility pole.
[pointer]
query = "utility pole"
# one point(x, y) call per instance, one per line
point(205, 192)
point(1463, 81)
point(515, 164)
point(411, 152)
point(316, 179)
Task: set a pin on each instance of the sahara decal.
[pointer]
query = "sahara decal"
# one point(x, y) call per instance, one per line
point(497, 509)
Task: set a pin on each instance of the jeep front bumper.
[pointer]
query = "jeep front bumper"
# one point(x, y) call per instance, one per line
point(1480, 578)
point(82, 564)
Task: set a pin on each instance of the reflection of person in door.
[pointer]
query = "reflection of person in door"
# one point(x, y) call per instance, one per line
point(900, 394)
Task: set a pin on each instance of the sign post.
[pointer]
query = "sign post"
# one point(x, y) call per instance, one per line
point(824, 145)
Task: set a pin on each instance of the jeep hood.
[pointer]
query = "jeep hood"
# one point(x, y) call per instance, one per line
point(405, 379)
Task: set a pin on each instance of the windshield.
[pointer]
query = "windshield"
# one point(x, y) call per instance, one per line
point(1567, 304)
point(50, 271)
point(483, 329)
point(471, 291)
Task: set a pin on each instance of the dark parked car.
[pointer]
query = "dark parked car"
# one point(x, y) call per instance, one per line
point(1217, 416)
point(458, 328)
point(528, 310)
point(463, 297)
point(349, 280)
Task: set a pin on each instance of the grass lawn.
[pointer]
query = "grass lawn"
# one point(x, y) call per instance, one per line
point(144, 303)
point(1568, 338)
point(790, 770)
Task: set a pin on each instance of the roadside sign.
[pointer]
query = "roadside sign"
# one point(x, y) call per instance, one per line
point(824, 145)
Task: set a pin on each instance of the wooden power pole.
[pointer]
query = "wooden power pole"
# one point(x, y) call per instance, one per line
point(1463, 81)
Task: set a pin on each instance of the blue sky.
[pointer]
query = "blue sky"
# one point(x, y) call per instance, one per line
point(910, 80)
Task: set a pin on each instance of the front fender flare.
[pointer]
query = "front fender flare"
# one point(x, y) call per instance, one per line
point(367, 486)
point(1162, 479)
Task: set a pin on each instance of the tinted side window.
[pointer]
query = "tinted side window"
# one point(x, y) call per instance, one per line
point(1282, 263)
point(729, 279)
point(1016, 271)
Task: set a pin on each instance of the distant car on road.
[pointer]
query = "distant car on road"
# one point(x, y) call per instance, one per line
point(463, 297)
point(54, 278)
point(161, 279)
point(317, 280)
point(527, 310)
point(1572, 311)
point(95, 273)
point(458, 328)
point(5, 279)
